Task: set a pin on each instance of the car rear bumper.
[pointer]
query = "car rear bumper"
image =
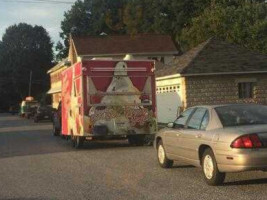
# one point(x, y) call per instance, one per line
point(246, 161)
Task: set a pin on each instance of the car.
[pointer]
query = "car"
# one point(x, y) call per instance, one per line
point(43, 113)
point(57, 121)
point(30, 108)
point(14, 109)
point(220, 139)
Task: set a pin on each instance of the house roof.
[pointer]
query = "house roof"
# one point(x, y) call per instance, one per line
point(215, 56)
point(124, 44)
point(57, 66)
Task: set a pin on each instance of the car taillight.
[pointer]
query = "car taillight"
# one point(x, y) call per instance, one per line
point(247, 141)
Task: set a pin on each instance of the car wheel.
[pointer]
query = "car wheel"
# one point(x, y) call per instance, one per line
point(210, 170)
point(164, 162)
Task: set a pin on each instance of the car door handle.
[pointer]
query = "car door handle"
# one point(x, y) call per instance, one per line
point(198, 136)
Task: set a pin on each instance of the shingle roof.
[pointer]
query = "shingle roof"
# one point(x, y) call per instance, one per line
point(124, 44)
point(214, 57)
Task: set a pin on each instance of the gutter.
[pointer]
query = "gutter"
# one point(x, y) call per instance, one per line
point(168, 77)
point(123, 54)
point(225, 73)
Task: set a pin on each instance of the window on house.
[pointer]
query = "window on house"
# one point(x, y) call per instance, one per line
point(245, 90)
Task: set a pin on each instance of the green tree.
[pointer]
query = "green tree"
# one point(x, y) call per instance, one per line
point(164, 16)
point(61, 51)
point(92, 17)
point(25, 48)
point(240, 22)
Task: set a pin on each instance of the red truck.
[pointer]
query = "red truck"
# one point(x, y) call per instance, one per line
point(109, 99)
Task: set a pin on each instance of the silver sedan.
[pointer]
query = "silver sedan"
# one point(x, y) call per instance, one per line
point(220, 139)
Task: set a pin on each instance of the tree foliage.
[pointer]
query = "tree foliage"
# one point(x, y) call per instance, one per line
point(24, 48)
point(240, 22)
point(189, 22)
point(92, 17)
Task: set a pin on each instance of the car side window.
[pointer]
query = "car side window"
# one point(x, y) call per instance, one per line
point(182, 119)
point(195, 121)
point(205, 121)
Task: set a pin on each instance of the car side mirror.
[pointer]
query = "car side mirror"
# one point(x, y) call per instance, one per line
point(170, 125)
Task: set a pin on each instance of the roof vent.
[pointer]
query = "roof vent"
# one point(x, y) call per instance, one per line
point(103, 34)
point(128, 57)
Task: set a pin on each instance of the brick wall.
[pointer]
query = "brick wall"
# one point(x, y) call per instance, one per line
point(210, 90)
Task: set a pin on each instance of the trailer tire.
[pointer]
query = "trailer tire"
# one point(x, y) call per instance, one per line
point(77, 142)
point(35, 120)
point(55, 131)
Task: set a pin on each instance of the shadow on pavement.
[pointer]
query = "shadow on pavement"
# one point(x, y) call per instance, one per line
point(247, 182)
point(15, 121)
point(31, 142)
point(183, 166)
point(25, 199)
point(36, 142)
point(23, 137)
point(108, 144)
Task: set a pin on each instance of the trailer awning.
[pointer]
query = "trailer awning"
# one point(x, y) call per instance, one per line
point(54, 90)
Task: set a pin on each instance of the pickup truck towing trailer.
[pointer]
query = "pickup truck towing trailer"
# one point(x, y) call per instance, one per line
point(109, 99)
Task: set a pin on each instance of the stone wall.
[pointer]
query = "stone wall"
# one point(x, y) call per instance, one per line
point(212, 90)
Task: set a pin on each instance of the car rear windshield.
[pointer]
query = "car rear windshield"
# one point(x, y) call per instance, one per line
point(238, 115)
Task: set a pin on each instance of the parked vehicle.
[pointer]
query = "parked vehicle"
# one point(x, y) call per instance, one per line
point(220, 139)
point(43, 113)
point(28, 108)
point(31, 109)
point(57, 121)
point(109, 99)
point(14, 109)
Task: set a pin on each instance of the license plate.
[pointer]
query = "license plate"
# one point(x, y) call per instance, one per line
point(120, 125)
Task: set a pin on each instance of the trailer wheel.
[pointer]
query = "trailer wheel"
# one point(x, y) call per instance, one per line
point(35, 120)
point(77, 142)
point(55, 131)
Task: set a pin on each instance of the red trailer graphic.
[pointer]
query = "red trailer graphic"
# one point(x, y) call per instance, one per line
point(109, 99)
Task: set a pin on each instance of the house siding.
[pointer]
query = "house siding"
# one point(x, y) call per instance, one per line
point(223, 89)
point(55, 82)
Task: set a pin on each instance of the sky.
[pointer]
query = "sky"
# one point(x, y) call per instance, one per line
point(47, 15)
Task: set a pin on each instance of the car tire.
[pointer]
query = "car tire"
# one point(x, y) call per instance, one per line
point(164, 162)
point(212, 175)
